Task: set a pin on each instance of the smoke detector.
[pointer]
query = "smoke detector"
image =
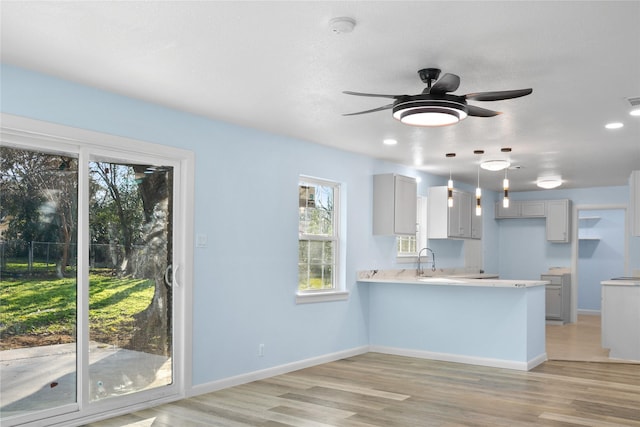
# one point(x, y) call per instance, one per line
point(342, 25)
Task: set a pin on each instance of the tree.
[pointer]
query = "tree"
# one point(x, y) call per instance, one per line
point(116, 206)
point(156, 254)
point(38, 194)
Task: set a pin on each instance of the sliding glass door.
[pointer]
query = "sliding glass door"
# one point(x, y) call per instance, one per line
point(89, 304)
point(130, 288)
point(38, 280)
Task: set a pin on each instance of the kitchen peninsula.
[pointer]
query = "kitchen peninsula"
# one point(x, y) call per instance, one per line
point(466, 318)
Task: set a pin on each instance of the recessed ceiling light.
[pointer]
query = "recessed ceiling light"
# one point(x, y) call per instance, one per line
point(635, 112)
point(613, 125)
point(495, 165)
point(389, 141)
point(549, 183)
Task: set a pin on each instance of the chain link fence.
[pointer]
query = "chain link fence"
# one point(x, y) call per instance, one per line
point(18, 257)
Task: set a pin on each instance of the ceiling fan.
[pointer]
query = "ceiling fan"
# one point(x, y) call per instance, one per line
point(435, 106)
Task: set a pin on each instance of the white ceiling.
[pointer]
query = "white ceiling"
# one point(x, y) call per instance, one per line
point(276, 66)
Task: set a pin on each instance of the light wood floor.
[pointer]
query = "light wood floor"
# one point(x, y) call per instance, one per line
point(579, 341)
point(384, 390)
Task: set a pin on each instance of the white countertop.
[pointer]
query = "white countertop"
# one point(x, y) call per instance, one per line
point(630, 282)
point(457, 281)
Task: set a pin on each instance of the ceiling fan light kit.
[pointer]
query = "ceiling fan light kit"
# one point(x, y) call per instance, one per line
point(433, 112)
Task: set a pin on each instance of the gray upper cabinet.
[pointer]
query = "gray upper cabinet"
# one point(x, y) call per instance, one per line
point(456, 222)
point(521, 209)
point(558, 221)
point(394, 205)
point(556, 212)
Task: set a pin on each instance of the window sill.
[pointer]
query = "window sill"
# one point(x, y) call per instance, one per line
point(312, 297)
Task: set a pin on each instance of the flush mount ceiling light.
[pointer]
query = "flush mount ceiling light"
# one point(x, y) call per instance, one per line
point(549, 183)
point(389, 141)
point(635, 106)
point(495, 165)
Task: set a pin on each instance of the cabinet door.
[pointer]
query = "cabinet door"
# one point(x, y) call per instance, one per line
point(476, 225)
point(558, 221)
point(513, 211)
point(533, 208)
point(405, 207)
point(460, 215)
point(553, 302)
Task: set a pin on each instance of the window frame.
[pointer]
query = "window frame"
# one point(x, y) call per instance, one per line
point(337, 292)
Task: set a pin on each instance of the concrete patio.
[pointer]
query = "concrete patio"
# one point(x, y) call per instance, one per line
point(39, 378)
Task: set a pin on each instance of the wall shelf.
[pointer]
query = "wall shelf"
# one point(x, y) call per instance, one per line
point(585, 228)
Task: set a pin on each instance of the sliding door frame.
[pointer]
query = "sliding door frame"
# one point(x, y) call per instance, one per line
point(20, 132)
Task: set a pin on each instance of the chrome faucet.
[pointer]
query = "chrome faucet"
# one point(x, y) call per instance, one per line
point(419, 270)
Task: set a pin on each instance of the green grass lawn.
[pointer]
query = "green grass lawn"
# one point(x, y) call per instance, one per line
point(41, 307)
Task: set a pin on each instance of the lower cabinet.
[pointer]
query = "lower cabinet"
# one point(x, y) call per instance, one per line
point(558, 296)
point(621, 321)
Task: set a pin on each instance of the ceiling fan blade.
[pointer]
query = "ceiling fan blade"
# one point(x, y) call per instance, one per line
point(447, 83)
point(472, 110)
point(376, 95)
point(498, 95)
point(384, 107)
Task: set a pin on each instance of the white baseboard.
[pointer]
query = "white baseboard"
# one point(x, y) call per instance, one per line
point(457, 358)
point(537, 361)
point(589, 312)
point(306, 363)
point(273, 371)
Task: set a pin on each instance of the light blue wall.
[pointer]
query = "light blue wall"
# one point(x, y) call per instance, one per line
point(524, 251)
point(246, 203)
point(601, 257)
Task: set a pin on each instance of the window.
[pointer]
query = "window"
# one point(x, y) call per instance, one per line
point(318, 236)
point(407, 247)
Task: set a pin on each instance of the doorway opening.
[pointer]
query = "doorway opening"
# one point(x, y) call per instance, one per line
point(599, 252)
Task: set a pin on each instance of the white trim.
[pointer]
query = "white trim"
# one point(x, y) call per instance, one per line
point(276, 370)
point(459, 358)
point(589, 312)
point(321, 296)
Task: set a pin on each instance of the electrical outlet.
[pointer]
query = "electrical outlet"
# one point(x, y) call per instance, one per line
point(261, 350)
point(201, 241)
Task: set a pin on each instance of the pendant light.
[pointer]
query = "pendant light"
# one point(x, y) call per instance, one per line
point(478, 196)
point(450, 184)
point(505, 187)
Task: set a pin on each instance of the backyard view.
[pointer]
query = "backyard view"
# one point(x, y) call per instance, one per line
point(126, 284)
